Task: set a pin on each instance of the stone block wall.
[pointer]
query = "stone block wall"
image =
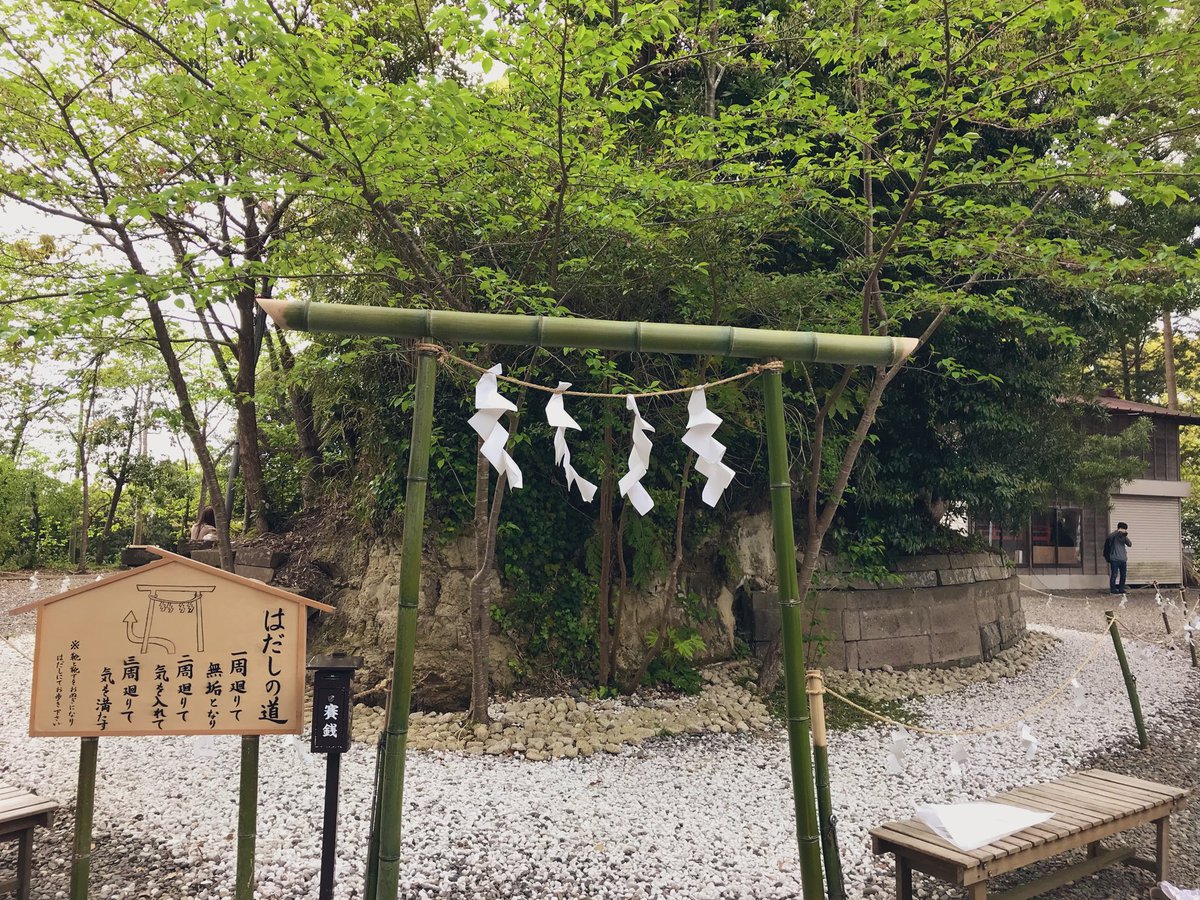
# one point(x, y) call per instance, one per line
point(950, 609)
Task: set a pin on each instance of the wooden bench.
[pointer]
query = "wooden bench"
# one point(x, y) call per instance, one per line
point(20, 813)
point(1088, 807)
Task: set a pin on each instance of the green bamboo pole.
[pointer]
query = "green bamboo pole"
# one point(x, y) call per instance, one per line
point(85, 805)
point(392, 788)
point(372, 878)
point(561, 331)
point(247, 819)
point(793, 640)
point(828, 824)
point(1130, 681)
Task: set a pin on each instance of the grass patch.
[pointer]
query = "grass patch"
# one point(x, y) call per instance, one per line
point(840, 717)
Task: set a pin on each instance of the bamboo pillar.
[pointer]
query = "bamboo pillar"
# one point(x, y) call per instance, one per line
point(815, 689)
point(391, 790)
point(1187, 621)
point(793, 640)
point(85, 805)
point(247, 818)
point(1130, 681)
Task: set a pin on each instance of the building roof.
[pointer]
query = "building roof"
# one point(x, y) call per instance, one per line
point(167, 558)
point(1131, 407)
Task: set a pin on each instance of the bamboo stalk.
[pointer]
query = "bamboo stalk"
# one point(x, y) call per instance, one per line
point(1130, 681)
point(1166, 620)
point(562, 331)
point(1187, 619)
point(85, 805)
point(392, 788)
point(372, 876)
point(247, 819)
point(815, 688)
point(800, 750)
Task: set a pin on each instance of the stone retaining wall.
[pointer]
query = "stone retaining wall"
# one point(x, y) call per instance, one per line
point(951, 609)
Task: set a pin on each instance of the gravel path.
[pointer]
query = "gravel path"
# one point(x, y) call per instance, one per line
point(692, 818)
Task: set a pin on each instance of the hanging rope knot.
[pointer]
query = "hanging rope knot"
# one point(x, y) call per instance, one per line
point(430, 347)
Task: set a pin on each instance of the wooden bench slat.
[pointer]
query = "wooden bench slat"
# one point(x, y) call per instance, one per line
point(1118, 806)
point(1165, 789)
point(1110, 790)
point(904, 835)
point(1069, 821)
point(1083, 802)
point(1128, 789)
point(16, 807)
point(1069, 812)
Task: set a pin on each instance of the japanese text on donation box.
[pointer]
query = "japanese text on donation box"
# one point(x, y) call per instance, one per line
point(170, 655)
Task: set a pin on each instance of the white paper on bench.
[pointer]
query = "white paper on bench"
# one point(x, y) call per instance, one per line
point(969, 826)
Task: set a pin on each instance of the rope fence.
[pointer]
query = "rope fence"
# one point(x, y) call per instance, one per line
point(1006, 725)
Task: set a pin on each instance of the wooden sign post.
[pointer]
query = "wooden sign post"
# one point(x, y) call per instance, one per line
point(173, 647)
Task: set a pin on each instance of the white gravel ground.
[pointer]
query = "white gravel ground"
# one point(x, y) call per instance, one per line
point(689, 818)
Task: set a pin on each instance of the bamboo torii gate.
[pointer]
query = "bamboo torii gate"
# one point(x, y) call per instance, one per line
point(383, 864)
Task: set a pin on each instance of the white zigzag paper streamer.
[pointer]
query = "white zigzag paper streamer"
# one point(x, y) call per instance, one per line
point(630, 484)
point(1191, 629)
point(896, 750)
point(486, 422)
point(702, 422)
point(959, 759)
point(560, 420)
point(1028, 742)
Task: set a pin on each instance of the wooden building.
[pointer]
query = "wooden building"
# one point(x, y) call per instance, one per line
point(1062, 547)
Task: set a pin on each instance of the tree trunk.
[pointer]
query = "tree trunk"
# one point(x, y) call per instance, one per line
point(308, 439)
point(1169, 362)
point(604, 598)
point(191, 425)
point(250, 459)
point(119, 479)
point(671, 590)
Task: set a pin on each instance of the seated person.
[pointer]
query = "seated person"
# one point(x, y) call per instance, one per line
point(205, 529)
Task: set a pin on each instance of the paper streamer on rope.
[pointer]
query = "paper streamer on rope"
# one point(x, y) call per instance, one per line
point(33, 583)
point(959, 758)
point(1028, 742)
point(486, 422)
point(1158, 599)
point(630, 484)
point(560, 420)
point(204, 746)
point(1124, 600)
point(64, 585)
point(1190, 629)
point(896, 751)
point(702, 423)
point(1078, 695)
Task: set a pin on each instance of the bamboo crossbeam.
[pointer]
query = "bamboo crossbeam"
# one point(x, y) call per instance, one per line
point(556, 331)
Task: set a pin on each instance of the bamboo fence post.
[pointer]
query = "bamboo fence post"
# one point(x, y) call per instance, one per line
point(815, 688)
point(1162, 609)
point(1191, 635)
point(1130, 681)
point(372, 875)
point(247, 819)
point(391, 791)
point(85, 806)
point(799, 747)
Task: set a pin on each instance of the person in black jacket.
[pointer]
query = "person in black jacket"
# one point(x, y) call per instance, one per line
point(1117, 557)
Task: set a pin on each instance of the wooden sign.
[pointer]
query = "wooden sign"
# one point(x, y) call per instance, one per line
point(173, 647)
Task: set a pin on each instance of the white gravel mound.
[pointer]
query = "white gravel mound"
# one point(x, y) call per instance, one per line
point(699, 817)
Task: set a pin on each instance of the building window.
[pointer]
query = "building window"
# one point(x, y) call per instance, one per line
point(1055, 537)
point(1012, 542)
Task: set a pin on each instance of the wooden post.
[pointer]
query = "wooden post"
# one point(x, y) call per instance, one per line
point(1161, 609)
point(85, 805)
point(247, 838)
point(815, 688)
point(391, 789)
point(1192, 636)
point(1130, 681)
point(800, 749)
